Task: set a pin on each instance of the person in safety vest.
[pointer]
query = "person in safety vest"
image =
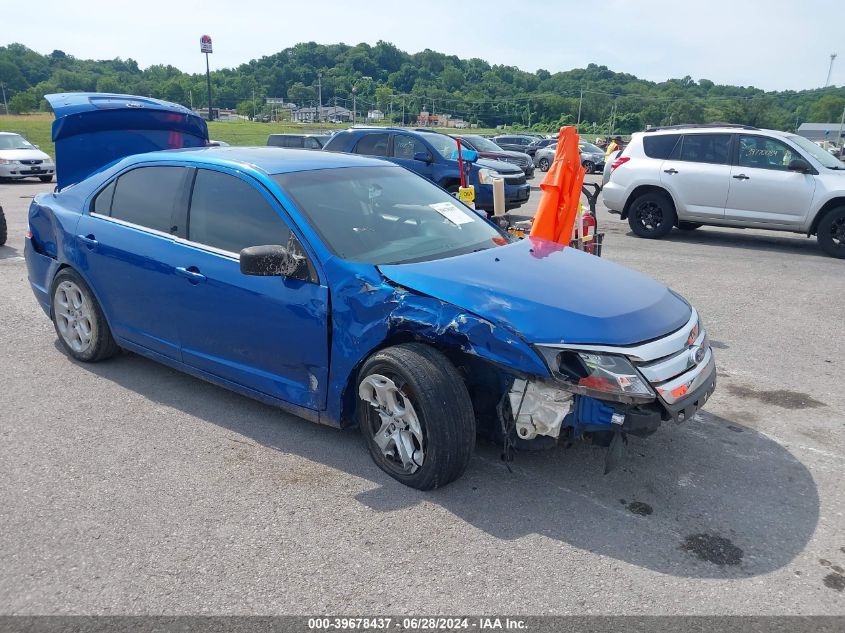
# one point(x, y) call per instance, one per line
point(614, 145)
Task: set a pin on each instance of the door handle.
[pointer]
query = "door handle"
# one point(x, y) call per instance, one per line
point(192, 274)
point(742, 177)
point(88, 240)
point(672, 171)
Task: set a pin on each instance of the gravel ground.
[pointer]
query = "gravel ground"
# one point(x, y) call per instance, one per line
point(129, 488)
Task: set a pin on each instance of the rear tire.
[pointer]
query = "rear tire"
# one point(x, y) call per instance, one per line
point(3, 229)
point(544, 164)
point(831, 233)
point(79, 321)
point(652, 215)
point(689, 226)
point(45, 178)
point(589, 165)
point(416, 415)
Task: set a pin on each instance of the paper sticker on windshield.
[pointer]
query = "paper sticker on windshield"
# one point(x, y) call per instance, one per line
point(451, 212)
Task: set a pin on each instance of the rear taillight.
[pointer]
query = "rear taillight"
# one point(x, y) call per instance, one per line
point(619, 162)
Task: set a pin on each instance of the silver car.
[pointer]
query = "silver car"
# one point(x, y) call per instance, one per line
point(592, 157)
point(21, 159)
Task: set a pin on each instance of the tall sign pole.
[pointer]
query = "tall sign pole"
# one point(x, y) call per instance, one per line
point(205, 47)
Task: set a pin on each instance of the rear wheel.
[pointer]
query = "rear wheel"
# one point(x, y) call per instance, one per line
point(79, 320)
point(416, 415)
point(652, 215)
point(689, 226)
point(590, 166)
point(3, 230)
point(831, 233)
point(46, 178)
point(544, 164)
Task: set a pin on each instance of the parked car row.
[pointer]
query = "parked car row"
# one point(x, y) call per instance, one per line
point(21, 159)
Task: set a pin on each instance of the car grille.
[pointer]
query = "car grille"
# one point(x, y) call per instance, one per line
point(514, 179)
point(30, 162)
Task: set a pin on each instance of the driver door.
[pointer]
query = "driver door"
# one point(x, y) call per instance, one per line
point(269, 334)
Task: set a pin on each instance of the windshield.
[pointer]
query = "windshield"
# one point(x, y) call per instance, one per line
point(590, 148)
point(825, 158)
point(483, 144)
point(14, 141)
point(446, 146)
point(386, 215)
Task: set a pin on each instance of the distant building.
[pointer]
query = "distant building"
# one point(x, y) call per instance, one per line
point(821, 131)
point(375, 115)
point(328, 114)
point(440, 120)
point(279, 102)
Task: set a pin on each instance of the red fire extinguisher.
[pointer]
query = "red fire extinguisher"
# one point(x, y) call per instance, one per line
point(588, 233)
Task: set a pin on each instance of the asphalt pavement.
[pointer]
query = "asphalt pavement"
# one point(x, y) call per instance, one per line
point(130, 488)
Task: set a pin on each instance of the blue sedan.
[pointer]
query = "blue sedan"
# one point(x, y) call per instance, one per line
point(349, 291)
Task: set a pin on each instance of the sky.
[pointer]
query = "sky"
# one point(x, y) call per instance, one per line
point(770, 44)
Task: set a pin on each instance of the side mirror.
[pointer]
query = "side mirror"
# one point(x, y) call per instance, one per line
point(274, 261)
point(800, 165)
point(424, 157)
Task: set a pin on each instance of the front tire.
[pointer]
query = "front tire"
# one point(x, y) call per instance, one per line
point(652, 215)
point(831, 233)
point(416, 415)
point(79, 320)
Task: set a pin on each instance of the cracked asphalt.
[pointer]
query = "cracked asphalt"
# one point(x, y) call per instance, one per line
point(129, 488)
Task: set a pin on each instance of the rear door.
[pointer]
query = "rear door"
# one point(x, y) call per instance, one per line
point(762, 189)
point(268, 334)
point(127, 246)
point(697, 173)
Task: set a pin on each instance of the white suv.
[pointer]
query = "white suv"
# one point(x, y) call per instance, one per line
point(725, 175)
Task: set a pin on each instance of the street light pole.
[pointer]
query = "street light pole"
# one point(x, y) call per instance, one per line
point(208, 80)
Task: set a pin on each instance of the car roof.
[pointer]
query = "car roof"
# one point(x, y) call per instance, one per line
point(272, 160)
point(710, 128)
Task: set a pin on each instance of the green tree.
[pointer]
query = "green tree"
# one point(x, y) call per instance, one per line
point(22, 102)
point(301, 94)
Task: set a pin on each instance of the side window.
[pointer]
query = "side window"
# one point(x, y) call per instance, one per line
point(292, 141)
point(230, 214)
point(102, 203)
point(312, 143)
point(764, 153)
point(372, 145)
point(660, 146)
point(148, 196)
point(406, 146)
point(706, 148)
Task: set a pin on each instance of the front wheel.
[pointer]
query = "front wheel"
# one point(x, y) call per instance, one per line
point(652, 215)
point(544, 164)
point(416, 415)
point(590, 166)
point(79, 320)
point(46, 178)
point(831, 233)
point(3, 230)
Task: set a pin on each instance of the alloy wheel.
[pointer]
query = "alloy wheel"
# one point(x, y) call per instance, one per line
point(74, 317)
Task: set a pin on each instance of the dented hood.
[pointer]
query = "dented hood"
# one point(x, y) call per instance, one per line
point(550, 294)
point(92, 130)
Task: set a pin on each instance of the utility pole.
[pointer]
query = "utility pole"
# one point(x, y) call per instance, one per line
point(320, 97)
point(829, 70)
point(580, 99)
point(191, 97)
point(253, 104)
point(841, 125)
point(354, 104)
point(5, 105)
point(403, 110)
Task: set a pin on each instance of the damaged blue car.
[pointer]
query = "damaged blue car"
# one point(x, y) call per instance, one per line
point(348, 291)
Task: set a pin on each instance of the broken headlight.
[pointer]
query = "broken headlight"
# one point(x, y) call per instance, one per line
point(602, 376)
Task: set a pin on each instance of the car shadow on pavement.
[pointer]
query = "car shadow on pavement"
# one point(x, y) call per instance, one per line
point(737, 238)
point(710, 498)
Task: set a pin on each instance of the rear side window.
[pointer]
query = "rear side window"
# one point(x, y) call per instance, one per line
point(706, 148)
point(102, 203)
point(149, 196)
point(373, 145)
point(660, 146)
point(312, 143)
point(231, 214)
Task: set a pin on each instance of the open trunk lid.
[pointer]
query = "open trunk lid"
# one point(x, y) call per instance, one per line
point(93, 130)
